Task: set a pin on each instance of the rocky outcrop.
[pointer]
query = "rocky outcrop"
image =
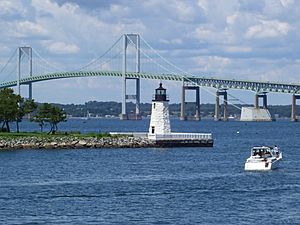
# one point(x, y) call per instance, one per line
point(74, 142)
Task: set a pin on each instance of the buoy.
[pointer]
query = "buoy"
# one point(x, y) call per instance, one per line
point(237, 132)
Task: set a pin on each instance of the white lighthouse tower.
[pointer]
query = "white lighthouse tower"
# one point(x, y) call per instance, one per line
point(160, 120)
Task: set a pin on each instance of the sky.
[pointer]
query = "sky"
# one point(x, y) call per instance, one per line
point(233, 39)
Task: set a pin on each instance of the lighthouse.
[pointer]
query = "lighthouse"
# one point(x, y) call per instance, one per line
point(160, 120)
point(160, 129)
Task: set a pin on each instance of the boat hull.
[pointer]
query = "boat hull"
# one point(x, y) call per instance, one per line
point(261, 165)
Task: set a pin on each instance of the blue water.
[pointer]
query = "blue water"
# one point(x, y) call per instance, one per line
point(154, 186)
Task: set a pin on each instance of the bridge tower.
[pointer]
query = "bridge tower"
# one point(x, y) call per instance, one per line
point(24, 51)
point(223, 93)
point(185, 87)
point(294, 111)
point(135, 40)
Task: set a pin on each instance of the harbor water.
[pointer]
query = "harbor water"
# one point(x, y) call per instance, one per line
point(154, 185)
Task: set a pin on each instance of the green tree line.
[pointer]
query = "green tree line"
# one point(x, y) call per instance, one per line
point(114, 108)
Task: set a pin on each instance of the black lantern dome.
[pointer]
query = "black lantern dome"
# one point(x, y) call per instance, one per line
point(160, 94)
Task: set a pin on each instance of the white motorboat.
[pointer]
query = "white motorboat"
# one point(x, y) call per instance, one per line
point(263, 158)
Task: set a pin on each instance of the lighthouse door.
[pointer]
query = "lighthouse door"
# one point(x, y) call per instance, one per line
point(152, 129)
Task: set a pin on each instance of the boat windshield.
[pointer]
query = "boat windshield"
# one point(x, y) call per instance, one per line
point(262, 152)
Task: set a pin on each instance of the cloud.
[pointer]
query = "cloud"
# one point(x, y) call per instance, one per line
point(180, 11)
point(185, 12)
point(12, 8)
point(231, 19)
point(70, 23)
point(203, 4)
point(268, 29)
point(27, 28)
point(61, 48)
point(238, 49)
point(212, 36)
point(3, 48)
point(175, 41)
point(286, 3)
point(212, 64)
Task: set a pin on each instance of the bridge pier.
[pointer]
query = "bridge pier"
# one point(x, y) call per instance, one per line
point(183, 102)
point(264, 97)
point(217, 105)
point(127, 39)
point(294, 110)
point(257, 113)
point(30, 91)
point(30, 74)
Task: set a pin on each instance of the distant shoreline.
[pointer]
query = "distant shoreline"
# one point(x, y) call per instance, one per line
point(111, 109)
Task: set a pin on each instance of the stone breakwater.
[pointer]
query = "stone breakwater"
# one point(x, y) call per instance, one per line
point(74, 142)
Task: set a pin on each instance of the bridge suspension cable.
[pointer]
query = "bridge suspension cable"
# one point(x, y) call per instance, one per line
point(46, 61)
point(7, 63)
point(108, 60)
point(99, 57)
point(184, 72)
point(152, 60)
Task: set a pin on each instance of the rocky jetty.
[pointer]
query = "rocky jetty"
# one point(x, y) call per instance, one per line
point(74, 142)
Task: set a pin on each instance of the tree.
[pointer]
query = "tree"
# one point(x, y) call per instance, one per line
point(57, 115)
point(9, 107)
point(24, 108)
point(53, 115)
point(13, 108)
point(42, 115)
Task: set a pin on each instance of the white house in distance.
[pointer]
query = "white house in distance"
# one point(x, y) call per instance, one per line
point(160, 129)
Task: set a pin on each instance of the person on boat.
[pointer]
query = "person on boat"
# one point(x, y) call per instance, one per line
point(268, 154)
point(276, 150)
point(259, 153)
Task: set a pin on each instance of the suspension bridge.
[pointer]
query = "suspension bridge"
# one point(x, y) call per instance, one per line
point(132, 58)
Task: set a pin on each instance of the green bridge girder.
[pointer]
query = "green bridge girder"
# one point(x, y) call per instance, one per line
point(255, 86)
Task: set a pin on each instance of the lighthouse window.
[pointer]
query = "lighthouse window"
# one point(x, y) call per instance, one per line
point(152, 129)
point(153, 105)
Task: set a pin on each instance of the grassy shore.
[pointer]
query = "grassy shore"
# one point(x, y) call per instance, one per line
point(13, 135)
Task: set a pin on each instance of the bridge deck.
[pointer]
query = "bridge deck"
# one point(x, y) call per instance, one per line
point(255, 86)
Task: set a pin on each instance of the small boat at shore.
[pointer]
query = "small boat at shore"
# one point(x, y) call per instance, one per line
point(263, 158)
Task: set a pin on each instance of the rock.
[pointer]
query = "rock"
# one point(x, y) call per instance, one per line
point(53, 142)
point(74, 143)
point(99, 145)
point(82, 142)
point(48, 145)
point(62, 145)
point(28, 145)
point(16, 146)
point(89, 145)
